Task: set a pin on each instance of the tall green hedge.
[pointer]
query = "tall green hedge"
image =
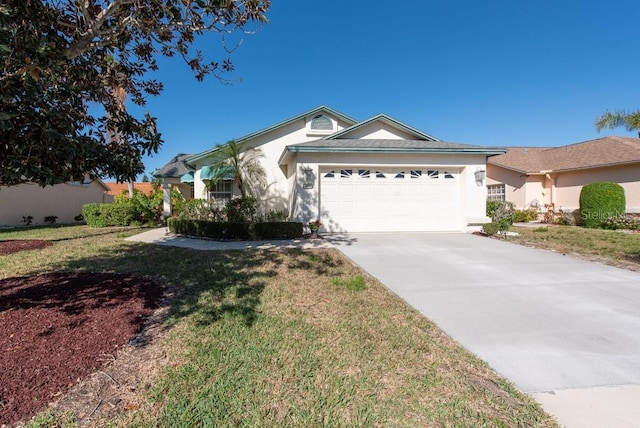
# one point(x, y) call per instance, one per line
point(104, 215)
point(599, 201)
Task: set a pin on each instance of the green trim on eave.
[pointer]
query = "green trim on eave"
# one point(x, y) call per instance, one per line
point(336, 113)
point(399, 150)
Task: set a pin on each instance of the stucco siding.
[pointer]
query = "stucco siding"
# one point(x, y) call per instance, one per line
point(62, 200)
point(515, 189)
point(569, 184)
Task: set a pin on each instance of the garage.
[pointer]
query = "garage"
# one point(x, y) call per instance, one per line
point(388, 199)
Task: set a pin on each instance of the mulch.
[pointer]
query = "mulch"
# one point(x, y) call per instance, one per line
point(13, 246)
point(56, 329)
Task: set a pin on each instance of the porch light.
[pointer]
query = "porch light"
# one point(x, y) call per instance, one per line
point(480, 176)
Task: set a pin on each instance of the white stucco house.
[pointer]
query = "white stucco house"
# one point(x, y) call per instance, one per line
point(356, 176)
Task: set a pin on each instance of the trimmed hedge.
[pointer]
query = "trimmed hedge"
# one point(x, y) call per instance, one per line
point(491, 228)
point(599, 201)
point(104, 215)
point(239, 231)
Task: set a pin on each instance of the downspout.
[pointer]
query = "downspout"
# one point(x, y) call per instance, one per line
point(553, 188)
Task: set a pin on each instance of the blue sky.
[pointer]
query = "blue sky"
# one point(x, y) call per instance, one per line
point(498, 72)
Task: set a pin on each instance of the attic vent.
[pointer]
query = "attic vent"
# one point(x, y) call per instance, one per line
point(321, 123)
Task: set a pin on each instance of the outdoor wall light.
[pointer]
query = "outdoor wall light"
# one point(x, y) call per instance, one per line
point(308, 178)
point(480, 176)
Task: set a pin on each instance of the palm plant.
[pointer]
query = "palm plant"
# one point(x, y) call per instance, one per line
point(244, 167)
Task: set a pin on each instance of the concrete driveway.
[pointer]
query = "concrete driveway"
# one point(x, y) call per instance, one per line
point(565, 330)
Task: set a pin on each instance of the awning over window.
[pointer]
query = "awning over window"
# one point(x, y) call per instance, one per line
point(211, 172)
point(187, 178)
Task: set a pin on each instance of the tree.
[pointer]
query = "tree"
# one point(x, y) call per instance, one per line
point(60, 61)
point(243, 166)
point(618, 118)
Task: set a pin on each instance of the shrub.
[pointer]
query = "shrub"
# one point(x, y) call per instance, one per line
point(277, 230)
point(627, 221)
point(241, 210)
point(50, 219)
point(226, 230)
point(94, 214)
point(520, 216)
point(199, 209)
point(599, 201)
point(501, 212)
point(491, 228)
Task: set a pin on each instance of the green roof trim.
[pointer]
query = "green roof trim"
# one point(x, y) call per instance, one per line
point(315, 111)
point(187, 178)
point(211, 172)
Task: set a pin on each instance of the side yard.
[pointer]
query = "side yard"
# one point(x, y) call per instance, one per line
point(269, 338)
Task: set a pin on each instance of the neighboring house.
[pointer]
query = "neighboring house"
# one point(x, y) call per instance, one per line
point(178, 174)
point(62, 200)
point(533, 177)
point(375, 175)
point(116, 189)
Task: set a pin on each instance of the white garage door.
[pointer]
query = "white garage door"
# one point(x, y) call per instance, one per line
point(373, 199)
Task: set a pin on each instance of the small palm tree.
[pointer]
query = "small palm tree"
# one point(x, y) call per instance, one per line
point(244, 166)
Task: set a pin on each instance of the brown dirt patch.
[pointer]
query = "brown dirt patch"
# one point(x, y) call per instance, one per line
point(58, 328)
point(13, 246)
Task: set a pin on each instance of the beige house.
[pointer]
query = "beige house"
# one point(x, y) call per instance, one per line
point(377, 174)
point(65, 201)
point(532, 177)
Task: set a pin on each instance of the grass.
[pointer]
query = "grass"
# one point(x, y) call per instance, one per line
point(609, 246)
point(280, 338)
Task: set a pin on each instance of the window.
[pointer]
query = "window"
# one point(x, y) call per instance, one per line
point(346, 173)
point(380, 175)
point(321, 123)
point(330, 174)
point(221, 192)
point(495, 192)
point(364, 173)
point(432, 173)
point(448, 175)
point(416, 173)
point(399, 175)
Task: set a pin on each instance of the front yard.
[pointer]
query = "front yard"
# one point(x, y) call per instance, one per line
point(268, 338)
point(614, 247)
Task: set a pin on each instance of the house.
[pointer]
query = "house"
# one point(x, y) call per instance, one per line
point(355, 176)
point(65, 201)
point(534, 176)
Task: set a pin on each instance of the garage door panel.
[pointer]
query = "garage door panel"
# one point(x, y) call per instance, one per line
point(391, 199)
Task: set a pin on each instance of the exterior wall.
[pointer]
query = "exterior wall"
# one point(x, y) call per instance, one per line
point(279, 183)
point(472, 198)
point(379, 130)
point(62, 200)
point(515, 189)
point(569, 184)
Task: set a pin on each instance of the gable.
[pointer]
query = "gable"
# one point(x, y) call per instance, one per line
point(378, 130)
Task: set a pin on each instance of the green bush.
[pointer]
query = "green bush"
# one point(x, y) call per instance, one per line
point(277, 230)
point(626, 222)
point(94, 214)
point(226, 230)
point(241, 210)
point(491, 228)
point(520, 216)
point(501, 212)
point(599, 201)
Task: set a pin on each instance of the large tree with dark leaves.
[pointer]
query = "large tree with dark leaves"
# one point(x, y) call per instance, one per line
point(64, 65)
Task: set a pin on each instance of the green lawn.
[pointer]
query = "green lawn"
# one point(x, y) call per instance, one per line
point(286, 338)
point(609, 246)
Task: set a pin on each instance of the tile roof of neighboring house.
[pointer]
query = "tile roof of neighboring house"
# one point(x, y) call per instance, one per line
point(116, 189)
point(601, 152)
point(176, 167)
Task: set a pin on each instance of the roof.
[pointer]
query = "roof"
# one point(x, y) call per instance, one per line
point(175, 168)
point(311, 112)
point(116, 189)
point(598, 153)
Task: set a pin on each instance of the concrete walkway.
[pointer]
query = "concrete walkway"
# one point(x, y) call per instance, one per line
point(564, 330)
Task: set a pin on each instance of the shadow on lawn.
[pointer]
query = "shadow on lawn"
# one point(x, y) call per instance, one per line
point(209, 284)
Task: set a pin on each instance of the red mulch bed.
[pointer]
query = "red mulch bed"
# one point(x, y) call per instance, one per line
point(8, 247)
point(56, 329)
